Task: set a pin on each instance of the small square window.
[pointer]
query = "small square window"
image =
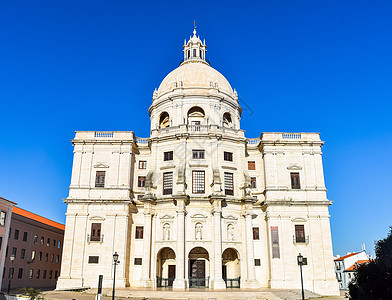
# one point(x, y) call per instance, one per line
point(168, 155)
point(251, 165)
point(228, 156)
point(93, 259)
point(257, 262)
point(142, 164)
point(198, 154)
point(137, 261)
point(139, 232)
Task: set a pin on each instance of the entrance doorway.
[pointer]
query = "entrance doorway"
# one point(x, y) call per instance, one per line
point(166, 267)
point(198, 268)
point(231, 271)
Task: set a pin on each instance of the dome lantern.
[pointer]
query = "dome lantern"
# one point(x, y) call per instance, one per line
point(194, 50)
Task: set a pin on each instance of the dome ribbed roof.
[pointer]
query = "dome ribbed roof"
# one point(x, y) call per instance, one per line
point(195, 75)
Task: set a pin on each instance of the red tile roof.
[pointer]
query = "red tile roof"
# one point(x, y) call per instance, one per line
point(344, 257)
point(359, 262)
point(30, 215)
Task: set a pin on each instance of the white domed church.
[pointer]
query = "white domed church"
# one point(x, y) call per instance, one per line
point(197, 204)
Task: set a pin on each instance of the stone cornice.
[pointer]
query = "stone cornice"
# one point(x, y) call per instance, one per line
point(296, 203)
point(98, 201)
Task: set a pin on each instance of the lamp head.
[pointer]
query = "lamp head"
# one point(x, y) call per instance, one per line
point(300, 258)
point(115, 257)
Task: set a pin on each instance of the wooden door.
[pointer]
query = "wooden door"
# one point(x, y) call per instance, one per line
point(172, 274)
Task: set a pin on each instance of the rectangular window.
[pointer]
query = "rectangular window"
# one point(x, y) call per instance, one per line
point(42, 240)
point(16, 234)
point(253, 182)
point(6, 252)
point(141, 181)
point(168, 155)
point(138, 261)
point(33, 255)
point(35, 239)
point(48, 242)
point(228, 156)
point(44, 275)
point(168, 183)
point(142, 164)
point(300, 233)
point(23, 254)
point(55, 275)
point(139, 232)
point(24, 236)
point(38, 273)
point(40, 256)
point(20, 272)
point(93, 259)
point(4, 272)
point(100, 179)
point(54, 243)
point(198, 154)
point(95, 232)
point(198, 182)
point(295, 181)
point(9, 235)
point(229, 184)
point(46, 257)
point(57, 258)
point(50, 274)
point(14, 251)
point(31, 272)
point(275, 242)
point(257, 262)
point(52, 258)
point(59, 245)
point(1, 242)
point(251, 165)
point(3, 215)
point(256, 235)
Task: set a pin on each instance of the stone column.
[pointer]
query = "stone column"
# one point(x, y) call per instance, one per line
point(250, 282)
point(217, 280)
point(146, 279)
point(180, 281)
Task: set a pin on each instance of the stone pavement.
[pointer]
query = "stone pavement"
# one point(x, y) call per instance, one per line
point(196, 294)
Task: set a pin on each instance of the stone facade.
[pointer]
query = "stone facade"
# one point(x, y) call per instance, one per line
point(197, 203)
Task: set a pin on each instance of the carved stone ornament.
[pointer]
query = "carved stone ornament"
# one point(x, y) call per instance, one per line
point(294, 167)
point(101, 165)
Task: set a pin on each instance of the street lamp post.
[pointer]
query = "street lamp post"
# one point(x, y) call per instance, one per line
point(11, 272)
point(115, 263)
point(300, 260)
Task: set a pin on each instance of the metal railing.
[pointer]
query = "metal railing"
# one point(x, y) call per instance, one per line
point(298, 240)
point(199, 282)
point(165, 282)
point(94, 239)
point(232, 282)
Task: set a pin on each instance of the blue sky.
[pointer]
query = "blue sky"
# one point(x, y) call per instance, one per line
point(319, 66)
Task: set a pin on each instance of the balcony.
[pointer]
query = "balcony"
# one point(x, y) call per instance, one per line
point(298, 240)
point(196, 58)
point(95, 239)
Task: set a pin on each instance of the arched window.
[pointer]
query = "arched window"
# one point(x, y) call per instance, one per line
point(196, 112)
point(164, 120)
point(227, 121)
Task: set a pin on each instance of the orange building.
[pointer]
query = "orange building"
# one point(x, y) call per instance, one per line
point(36, 244)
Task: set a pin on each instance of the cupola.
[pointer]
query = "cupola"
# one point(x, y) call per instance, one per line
point(194, 49)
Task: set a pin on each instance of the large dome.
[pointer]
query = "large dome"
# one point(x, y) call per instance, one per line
point(194, 75)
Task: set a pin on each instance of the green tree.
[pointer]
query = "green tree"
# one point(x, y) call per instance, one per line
point(373, 281)
point(32, 293)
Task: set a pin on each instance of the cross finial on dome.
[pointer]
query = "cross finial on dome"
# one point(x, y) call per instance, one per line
point(194, 27)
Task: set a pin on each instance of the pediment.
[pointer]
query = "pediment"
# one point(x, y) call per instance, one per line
point(199, 216)
point(298, 220)
point(166, 217)
point(101, 165)
point(97, 218)
point(294, 167)
point(230, 217)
